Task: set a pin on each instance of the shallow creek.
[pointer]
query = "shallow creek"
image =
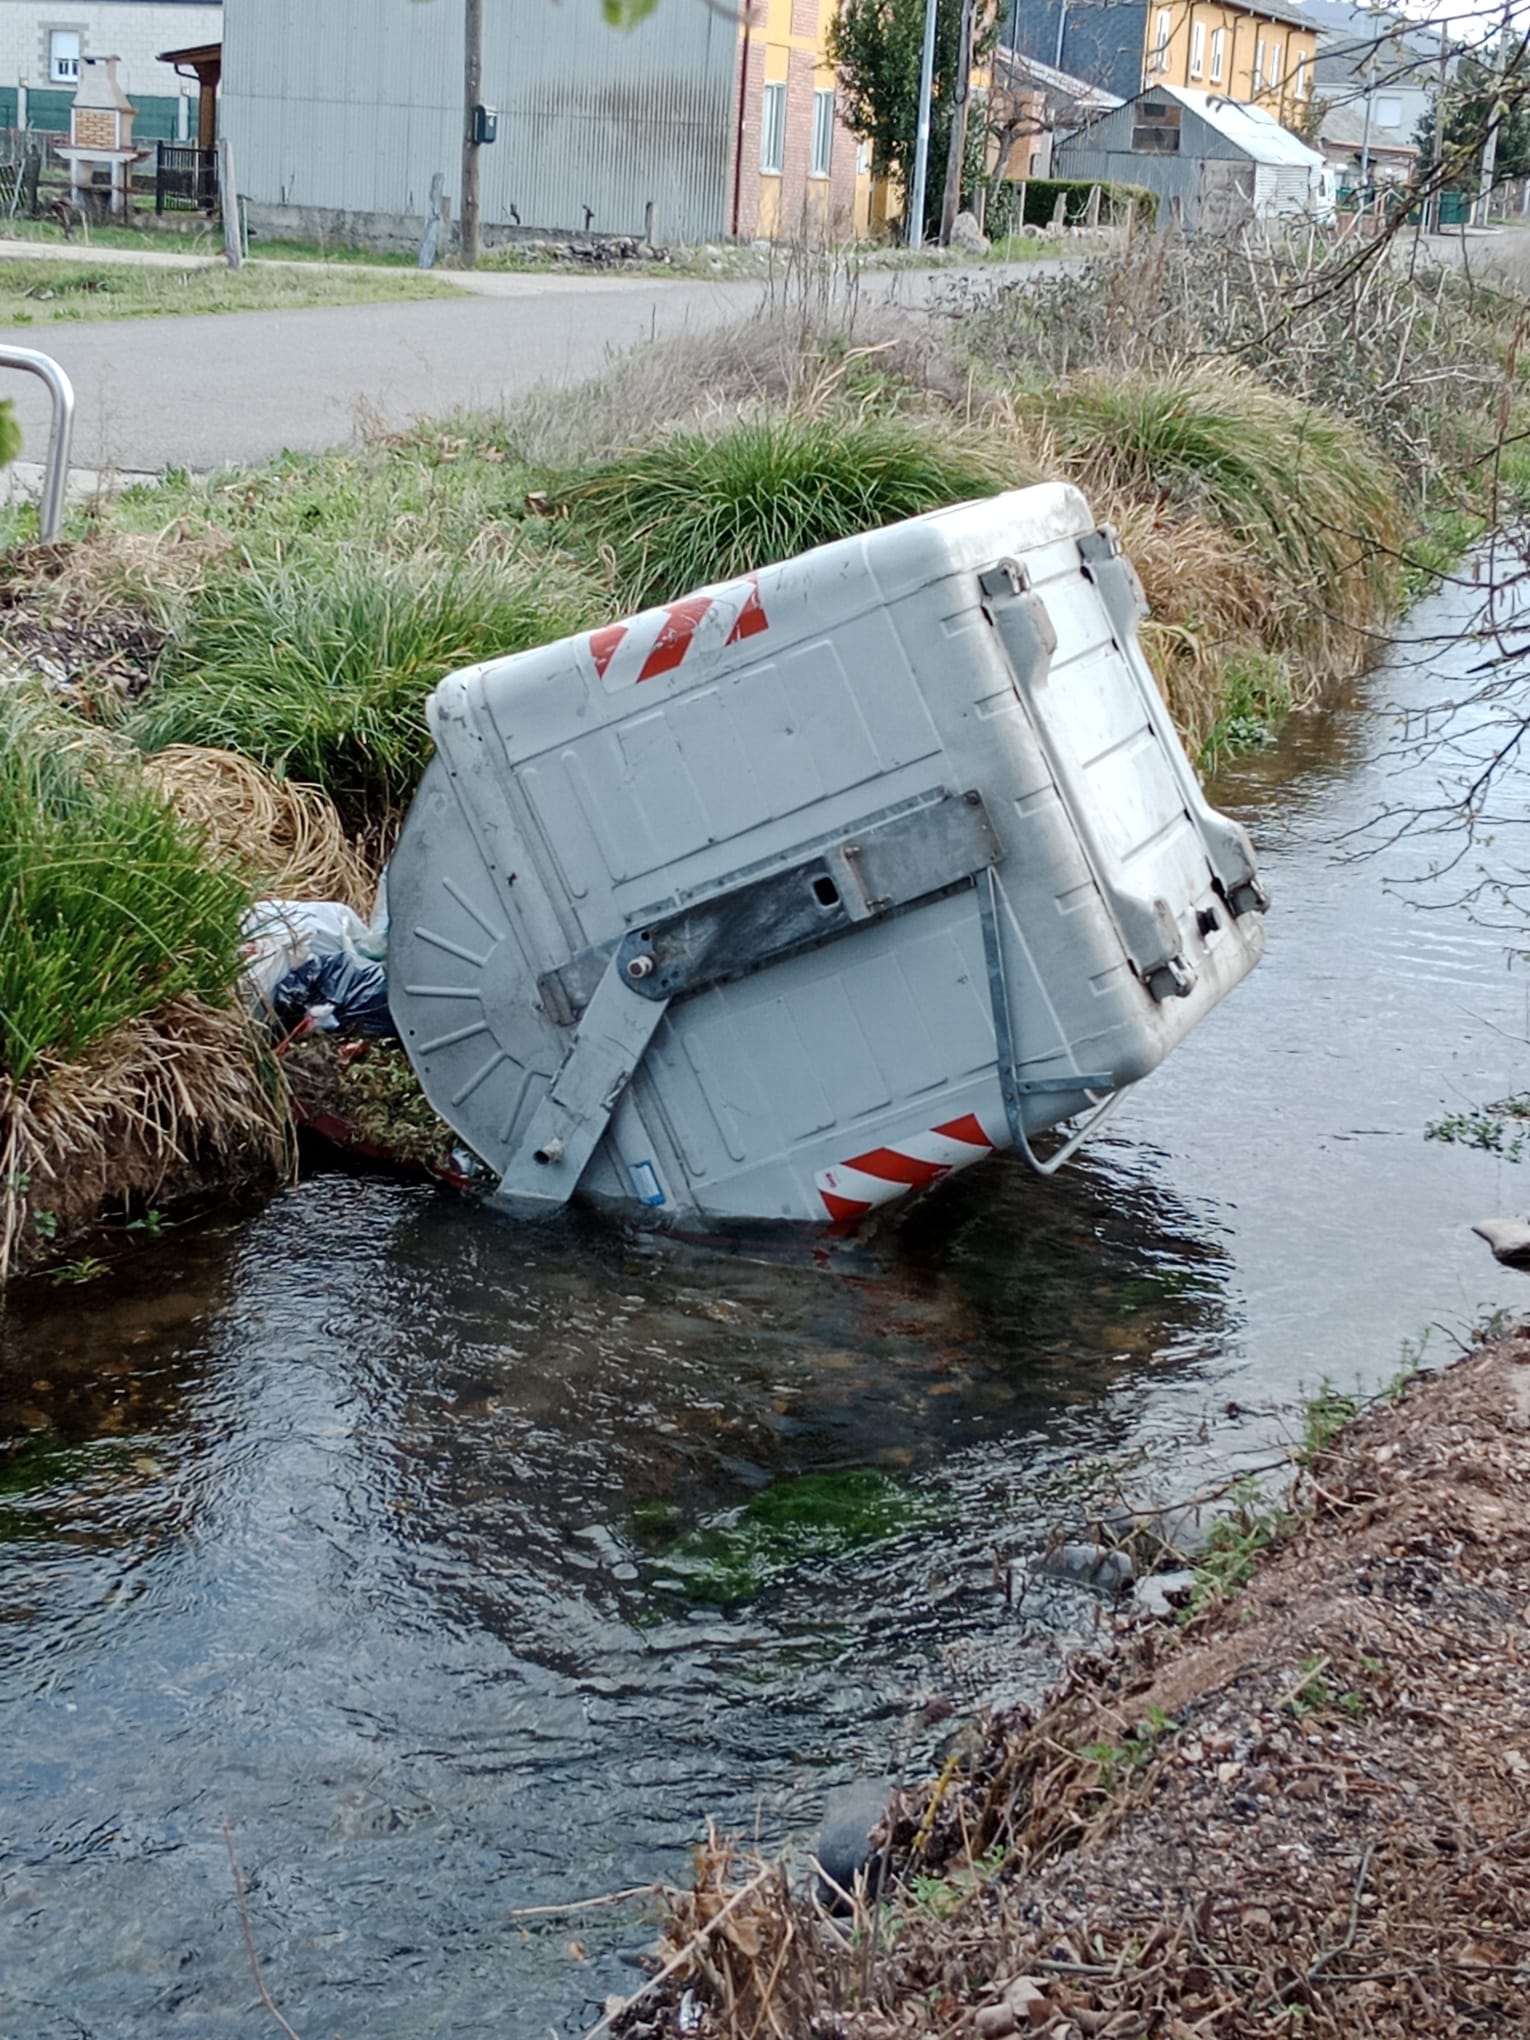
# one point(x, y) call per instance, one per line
point(369, 1522)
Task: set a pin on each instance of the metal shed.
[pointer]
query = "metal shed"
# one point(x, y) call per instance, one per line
point(1213, 162)
point(341, 113)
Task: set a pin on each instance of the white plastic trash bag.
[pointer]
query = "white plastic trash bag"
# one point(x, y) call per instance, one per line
point(314, 964)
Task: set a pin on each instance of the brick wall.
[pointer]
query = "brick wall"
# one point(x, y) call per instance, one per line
point(807, 205)
point(749, 144)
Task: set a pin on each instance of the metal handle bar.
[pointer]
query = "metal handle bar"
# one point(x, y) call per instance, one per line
point(50, 514)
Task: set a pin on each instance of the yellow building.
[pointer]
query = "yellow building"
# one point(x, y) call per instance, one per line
point(1261, 54)
point(798, 171)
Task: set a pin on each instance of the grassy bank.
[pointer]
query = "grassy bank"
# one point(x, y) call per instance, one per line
point(1288, 445)
point(123, 1059)
point(1298, 1808)
point(50, 291)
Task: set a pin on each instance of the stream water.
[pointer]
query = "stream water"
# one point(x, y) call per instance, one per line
point(335, 1519)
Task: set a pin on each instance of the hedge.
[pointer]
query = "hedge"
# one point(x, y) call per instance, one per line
point(1041, 194)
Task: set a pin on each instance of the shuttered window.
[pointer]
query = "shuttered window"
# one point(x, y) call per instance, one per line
point(64, 57)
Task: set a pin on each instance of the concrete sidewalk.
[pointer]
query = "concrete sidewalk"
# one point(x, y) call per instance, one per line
point(239, 387)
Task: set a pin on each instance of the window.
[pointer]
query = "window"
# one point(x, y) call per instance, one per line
point(1157, 127)
point(773, 131)
point(1197, 48)
point(1159, 59)
point(823, 134)
point(1218, 53)
point(1258, 67)
point(64, 56)
point(1274, 80)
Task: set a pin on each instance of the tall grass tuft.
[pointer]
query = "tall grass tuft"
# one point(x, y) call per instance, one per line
point(697, 508)
point(318, 669)
point(109, 908)
point(1307, 493)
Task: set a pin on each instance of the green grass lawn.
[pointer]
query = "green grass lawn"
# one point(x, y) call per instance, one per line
point(192, 234)
point(47, 292)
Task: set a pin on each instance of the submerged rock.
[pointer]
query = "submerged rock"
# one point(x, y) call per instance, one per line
point(1092, 1565)
point(1509, 1239)
point(851, 1815)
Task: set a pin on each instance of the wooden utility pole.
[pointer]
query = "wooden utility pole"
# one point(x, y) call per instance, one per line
point(1436, 203)
point(472, 93)
point(1495, 116)
point(228, 203)
point(956, 151)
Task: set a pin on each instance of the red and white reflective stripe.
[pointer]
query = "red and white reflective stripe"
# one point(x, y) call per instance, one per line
point(881, 1174)
point(658, 641)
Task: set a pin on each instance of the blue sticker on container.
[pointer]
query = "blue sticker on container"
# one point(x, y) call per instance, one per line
point(645, 1181)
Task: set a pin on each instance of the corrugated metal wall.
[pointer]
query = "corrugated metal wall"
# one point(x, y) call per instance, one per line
point(352, 105)
point(1103, 153)
point(1172, 177)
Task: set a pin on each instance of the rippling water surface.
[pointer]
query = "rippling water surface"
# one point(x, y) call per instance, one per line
point(346, 1520)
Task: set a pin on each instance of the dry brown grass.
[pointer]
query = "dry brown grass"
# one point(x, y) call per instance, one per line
point(93, 615)
point(1211, 598)
point(286, 836)
point(185, 1097)
point(1306, 495)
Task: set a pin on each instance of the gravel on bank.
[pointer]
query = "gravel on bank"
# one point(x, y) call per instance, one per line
point(1303, 1810)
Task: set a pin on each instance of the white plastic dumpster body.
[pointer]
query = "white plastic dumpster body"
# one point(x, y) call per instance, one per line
point(796, 895)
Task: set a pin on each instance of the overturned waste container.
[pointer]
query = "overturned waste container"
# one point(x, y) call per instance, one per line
point(798, 894)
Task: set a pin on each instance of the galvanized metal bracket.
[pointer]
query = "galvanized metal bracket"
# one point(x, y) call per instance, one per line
point(1113, 574)
point(918, 850)
point(754, 918)
point(1012, 1086)
point(1029, 639)
point(570, 1123)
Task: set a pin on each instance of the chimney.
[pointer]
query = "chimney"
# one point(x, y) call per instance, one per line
point(102, 114)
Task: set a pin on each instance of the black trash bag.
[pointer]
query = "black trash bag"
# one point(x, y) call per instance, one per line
point(336, 993)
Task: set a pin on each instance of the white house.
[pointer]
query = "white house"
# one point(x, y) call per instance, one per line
point(43, 41)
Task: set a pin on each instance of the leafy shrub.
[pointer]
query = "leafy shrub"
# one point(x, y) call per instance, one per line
point(1042, 194)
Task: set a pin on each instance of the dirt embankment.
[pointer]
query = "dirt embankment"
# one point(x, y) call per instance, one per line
point(1304, 1811)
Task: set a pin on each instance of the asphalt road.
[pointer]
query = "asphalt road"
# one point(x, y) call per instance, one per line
point(243, 386)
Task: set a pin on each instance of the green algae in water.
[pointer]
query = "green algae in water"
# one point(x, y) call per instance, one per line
point(816, 1515)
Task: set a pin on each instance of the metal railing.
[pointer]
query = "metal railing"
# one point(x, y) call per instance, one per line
point(50, 513)
point(185, 178)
